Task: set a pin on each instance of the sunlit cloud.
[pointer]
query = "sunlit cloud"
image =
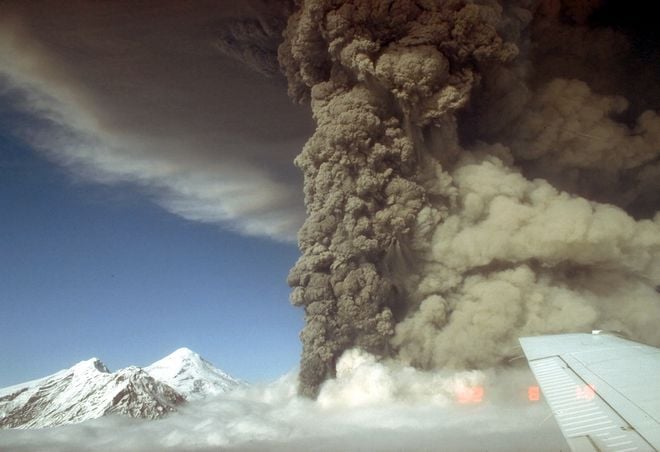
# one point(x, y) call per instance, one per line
point(403, 409)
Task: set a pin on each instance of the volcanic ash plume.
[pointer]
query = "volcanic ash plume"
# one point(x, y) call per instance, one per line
point(425, 241)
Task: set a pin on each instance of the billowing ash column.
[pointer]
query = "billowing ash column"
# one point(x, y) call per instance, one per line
point(471, 179)
point(385, 80)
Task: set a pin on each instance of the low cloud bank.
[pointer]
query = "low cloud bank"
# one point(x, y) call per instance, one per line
point(371, 405)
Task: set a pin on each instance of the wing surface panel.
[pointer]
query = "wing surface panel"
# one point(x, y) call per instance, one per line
point(603, 390)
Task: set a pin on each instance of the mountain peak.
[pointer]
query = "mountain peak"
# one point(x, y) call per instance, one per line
point(183, 352)
point(87, 390)
point(181, 357)
point(189, 373)
point(92, 364)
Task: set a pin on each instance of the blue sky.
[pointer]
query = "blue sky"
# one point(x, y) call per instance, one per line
point(148, 197)
point(99, 270)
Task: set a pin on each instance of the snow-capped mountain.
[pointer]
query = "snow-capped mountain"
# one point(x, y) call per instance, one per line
point(191, 375)
point(89, 390)
point(86, 391)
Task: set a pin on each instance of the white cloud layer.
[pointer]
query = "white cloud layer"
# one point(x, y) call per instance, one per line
point(370, 406)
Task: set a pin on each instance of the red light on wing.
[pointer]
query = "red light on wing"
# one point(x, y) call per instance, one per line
point(585, 392)
point(533, 394)
point(470, 394)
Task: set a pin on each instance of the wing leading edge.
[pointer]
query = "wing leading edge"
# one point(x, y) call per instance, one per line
point(604, 391)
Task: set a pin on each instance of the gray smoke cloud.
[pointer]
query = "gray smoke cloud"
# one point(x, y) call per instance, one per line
point(457, 198)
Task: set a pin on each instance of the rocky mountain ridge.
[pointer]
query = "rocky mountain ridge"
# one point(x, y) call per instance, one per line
point(89, 390)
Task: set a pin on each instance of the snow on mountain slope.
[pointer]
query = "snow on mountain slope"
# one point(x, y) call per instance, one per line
point(89, 390)
point(191, 375)
point(85, 391)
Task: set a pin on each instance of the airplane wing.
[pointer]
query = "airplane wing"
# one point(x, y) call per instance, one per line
point(604, 391)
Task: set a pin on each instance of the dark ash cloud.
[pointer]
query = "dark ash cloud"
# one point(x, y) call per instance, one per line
point(459, 195)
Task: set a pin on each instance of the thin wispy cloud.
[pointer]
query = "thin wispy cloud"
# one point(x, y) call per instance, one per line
point(121, 99)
